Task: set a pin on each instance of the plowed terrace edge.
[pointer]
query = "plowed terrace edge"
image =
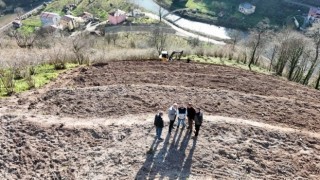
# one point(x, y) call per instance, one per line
point(133, 87)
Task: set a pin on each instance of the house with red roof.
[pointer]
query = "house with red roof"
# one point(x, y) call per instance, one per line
point(117, 17)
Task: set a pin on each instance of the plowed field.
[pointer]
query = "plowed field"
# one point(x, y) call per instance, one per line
point(96, 123)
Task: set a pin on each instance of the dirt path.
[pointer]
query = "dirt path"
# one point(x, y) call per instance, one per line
point(125, 148)
point(70, 122)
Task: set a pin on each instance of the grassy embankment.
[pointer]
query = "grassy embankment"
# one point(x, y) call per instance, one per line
point(277, 11)
point(41, 75)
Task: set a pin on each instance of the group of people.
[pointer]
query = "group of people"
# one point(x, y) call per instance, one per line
point(181, 113)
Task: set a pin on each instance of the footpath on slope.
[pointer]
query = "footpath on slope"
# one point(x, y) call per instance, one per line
point(125, 148)
point(147, 119)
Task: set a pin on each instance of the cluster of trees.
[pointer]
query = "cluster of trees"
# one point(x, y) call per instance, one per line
point(16, 3)
point(289, 53)
point(2, 4)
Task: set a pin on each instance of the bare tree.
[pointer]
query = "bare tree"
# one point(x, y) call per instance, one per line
point(160, 13)
point(80, 48)
point(19, 12)
point(235, 36)
point(24, 40)
point(291, 54)
point(158, 39)
point(257, 40)
point(283, 38)
point(296, 49)
point(315, 35)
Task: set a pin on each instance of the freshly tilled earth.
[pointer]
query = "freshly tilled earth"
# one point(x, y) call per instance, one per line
point(31, 150)
point(43, 149)
point(131, 87)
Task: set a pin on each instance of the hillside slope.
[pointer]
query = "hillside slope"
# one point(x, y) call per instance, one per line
point(97, 123)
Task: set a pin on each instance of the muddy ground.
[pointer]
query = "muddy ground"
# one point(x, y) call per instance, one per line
point(96, 123)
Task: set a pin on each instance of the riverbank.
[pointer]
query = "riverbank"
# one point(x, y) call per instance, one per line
point(225, 13)
point(194, 27)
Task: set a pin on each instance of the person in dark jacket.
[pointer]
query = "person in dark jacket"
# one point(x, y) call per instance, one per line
point(158, 122)
point(182, 115)
point(191, 113)
point(198, 119)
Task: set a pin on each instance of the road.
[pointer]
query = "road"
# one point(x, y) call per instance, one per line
point(185, 33)
point(180, 31)
point(29, 13)
point(297, 3)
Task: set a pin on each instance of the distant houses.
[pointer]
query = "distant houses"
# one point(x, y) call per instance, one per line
point(247, 8)
point(48, 19)
point(86, 16)
point(116, 17)
point(69, 22)
point(17, 23)
point(314, 15)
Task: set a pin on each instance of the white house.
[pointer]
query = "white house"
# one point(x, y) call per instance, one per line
point(247, 8)
point(48, 19)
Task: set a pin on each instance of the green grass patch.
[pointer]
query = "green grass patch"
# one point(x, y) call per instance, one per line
point(29, 24)
point(227, 62)
point(277, 11)
point(99, 8)
point(43, 75)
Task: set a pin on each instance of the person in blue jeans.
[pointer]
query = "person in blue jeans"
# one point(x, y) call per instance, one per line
point(158, 122)
point(182, 115)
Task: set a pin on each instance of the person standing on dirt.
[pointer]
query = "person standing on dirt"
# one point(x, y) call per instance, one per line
point(182, 114)
point(198, 119)
point(172, 113)
point(158, 122)
point(191, 113)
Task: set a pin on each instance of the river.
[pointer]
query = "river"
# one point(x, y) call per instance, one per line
point(202, 28)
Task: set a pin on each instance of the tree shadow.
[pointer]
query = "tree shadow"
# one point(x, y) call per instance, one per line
point(171, 160)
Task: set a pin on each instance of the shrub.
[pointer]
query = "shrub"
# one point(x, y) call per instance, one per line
point(18, 73)
point(7, 80)
point(194, 42)
point(59, 65)
point(30, 81)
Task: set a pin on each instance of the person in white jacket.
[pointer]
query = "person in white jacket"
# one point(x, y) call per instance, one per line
point(172, 114)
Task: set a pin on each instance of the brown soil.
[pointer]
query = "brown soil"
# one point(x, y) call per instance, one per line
point(96, 123)
point(147, 86)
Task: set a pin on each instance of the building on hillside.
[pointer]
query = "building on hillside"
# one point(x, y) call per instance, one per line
point(48, 19)
point(69, 22)
point(86, 16)
point(135, 13)
point(247, 8)
point(314, 15)
point(16, 24)
point(117, 17)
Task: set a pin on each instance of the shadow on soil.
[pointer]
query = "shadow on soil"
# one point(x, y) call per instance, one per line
point(171, 160)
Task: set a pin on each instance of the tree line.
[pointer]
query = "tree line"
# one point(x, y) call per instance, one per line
point(288, 53)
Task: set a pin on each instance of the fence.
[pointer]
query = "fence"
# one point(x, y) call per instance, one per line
point(138, 28)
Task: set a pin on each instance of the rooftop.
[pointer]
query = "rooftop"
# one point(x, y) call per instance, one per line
point(246, 5)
